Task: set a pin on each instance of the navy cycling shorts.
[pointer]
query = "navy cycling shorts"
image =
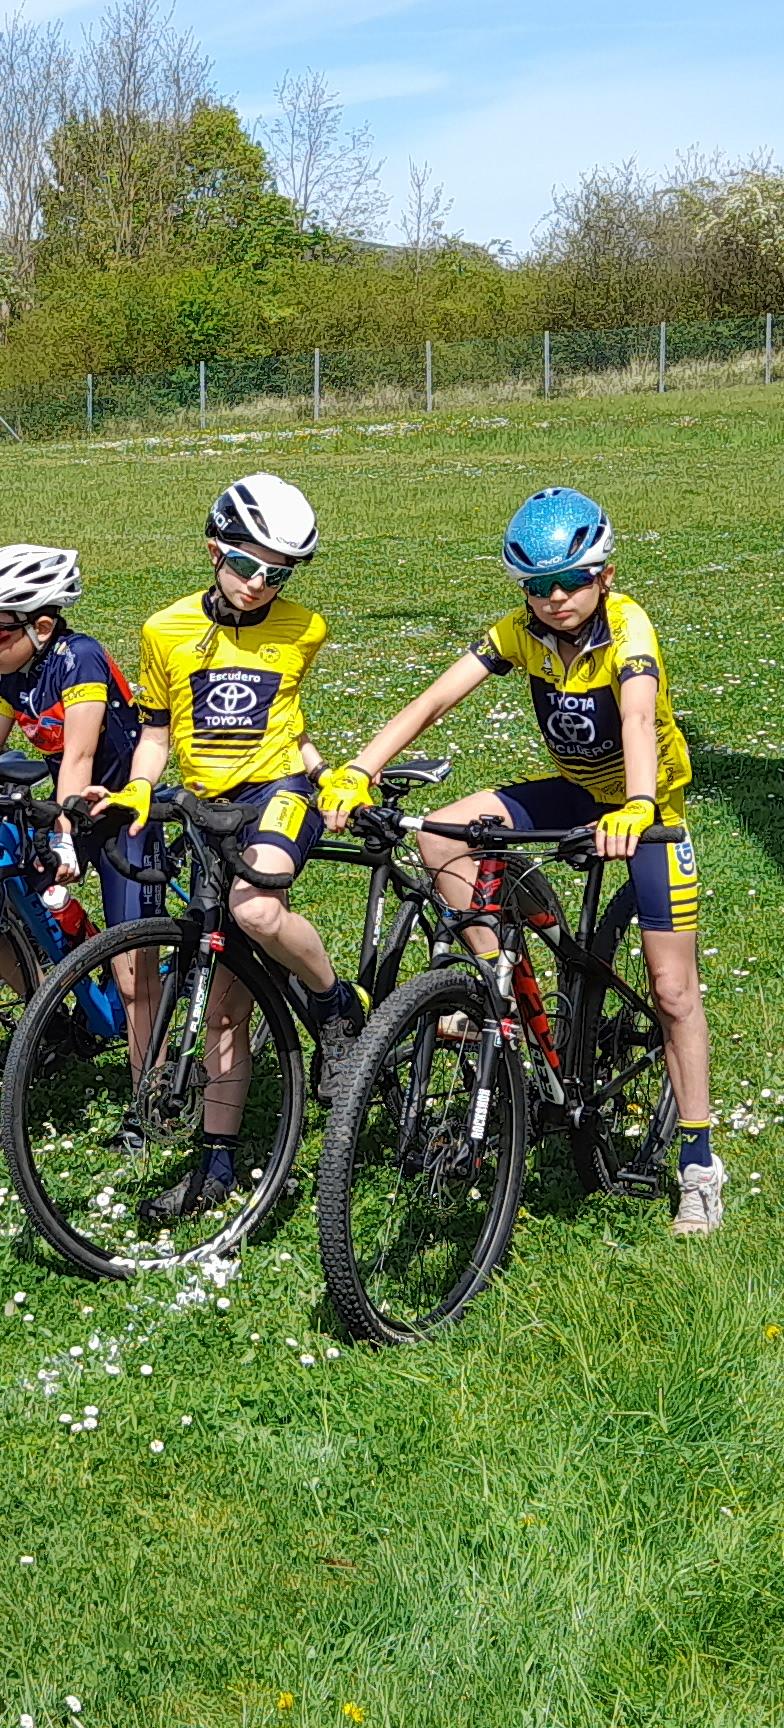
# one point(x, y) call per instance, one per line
point(123, 899)
point(286, 818)
point(664, 878)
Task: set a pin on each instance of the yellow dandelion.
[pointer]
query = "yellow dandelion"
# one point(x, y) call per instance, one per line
point(772, 1332)
point(353, 1712)
point(285, 1700)
point(528, 1518)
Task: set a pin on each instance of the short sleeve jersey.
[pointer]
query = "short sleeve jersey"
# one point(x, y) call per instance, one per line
point(578, 708)
point(74, 669)
point(231, 697)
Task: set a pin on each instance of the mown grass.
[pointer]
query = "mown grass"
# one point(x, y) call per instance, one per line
point(569, 1511)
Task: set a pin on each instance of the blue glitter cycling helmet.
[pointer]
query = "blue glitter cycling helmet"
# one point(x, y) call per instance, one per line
point(557, 529)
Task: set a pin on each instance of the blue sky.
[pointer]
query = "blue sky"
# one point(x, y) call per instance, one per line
point(506, 99)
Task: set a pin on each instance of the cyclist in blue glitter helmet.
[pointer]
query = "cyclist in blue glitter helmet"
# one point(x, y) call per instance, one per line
point(618, 759)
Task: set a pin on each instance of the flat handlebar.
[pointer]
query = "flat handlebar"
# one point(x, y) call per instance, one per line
point(374, 821)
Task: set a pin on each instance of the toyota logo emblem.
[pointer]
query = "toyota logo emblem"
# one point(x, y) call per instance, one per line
point(571, 728)
point(229, 699)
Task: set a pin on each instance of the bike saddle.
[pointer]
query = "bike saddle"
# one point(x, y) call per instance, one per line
point(19, 770)
point(423, 771)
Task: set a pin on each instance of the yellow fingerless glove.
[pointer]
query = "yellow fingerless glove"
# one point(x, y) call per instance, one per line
point(136, 797)
point(629, 822)
point(344, 790)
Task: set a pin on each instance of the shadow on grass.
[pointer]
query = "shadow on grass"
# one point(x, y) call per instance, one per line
point(751, 785)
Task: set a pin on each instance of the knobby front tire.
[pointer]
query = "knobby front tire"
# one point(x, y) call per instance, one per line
point(406, 1241)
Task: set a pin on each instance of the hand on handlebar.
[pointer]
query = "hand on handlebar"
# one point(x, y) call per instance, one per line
point(618, 832)
point(341, 791)
point(63, 848)
point(136, 797)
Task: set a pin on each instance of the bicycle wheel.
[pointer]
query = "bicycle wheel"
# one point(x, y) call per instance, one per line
point(410, 1233)
point(69, 1152)
point(21, 974)
point(637, 1125)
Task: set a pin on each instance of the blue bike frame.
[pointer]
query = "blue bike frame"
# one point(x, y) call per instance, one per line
point(102, 1006)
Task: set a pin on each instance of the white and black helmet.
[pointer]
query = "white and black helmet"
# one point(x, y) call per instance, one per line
point(269, 512)
point(33, 578)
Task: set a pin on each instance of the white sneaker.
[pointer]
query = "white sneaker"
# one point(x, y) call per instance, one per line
point(459, 1028)
point(700, 1209)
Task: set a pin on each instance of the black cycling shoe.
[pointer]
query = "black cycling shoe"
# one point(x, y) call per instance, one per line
point(197, 1192)
point(336, 1044)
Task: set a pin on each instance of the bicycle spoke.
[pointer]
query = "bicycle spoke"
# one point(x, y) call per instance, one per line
point(115, 1132)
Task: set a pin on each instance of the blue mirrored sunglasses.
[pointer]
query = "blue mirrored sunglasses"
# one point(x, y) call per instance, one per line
point(569, 580)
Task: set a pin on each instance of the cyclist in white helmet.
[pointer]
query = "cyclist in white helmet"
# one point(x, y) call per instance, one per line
point(71, 701)
point(221, 678)
point(618, 759)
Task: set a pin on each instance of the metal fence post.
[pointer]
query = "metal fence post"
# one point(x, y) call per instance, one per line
point(662, 355)
point(768, 347)
point(202, 394)
point(316, 383)
point(547, 363)
point(90, 402)
point(429, 376)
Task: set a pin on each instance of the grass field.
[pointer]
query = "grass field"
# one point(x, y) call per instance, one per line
point(569, 1511)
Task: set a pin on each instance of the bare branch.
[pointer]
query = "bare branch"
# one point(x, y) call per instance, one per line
point(35, 79)
point(424, 219)
point(330, 175)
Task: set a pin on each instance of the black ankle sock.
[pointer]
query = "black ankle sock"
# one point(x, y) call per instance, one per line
point(218, 1155)
point(327, 1003)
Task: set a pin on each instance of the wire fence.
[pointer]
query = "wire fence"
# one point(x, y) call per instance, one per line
point(325, 383)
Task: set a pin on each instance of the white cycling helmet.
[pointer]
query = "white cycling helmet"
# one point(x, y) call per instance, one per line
point(269, 512)
point(33, 578)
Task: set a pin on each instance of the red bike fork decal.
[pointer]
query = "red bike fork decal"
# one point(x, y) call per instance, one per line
point(487, 887)
point(532, 1011)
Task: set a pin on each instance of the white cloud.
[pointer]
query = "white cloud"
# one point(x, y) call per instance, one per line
point(303, 24)
point(360, 86)
point(501, 159)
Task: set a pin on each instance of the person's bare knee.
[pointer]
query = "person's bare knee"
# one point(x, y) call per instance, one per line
point(258, 914)
point(676, 993)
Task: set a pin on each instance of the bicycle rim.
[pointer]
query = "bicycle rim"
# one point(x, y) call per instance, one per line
point(636, 1125)
point(88, 1154)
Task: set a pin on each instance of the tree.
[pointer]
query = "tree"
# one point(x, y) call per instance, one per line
point(116, 156)
point(742, 236)
point(330, 175)
point(226, 207)
point(35, 76)
point(424, 218)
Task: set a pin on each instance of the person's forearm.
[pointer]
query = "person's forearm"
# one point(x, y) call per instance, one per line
point(150, 756)
point(311, 757)
point(76, 772)
point(401, 730)
point(640, 756)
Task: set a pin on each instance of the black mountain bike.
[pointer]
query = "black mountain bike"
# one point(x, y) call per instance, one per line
point(211, 1019)
point(425, 1155)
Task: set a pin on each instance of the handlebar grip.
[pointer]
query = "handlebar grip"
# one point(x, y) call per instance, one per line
point(659, 835)
point(274, 881)
point(131, 872)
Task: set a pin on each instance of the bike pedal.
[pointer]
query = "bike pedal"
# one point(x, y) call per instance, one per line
point(640, 1184)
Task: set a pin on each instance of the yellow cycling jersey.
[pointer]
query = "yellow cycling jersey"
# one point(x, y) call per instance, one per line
point(578, 708)
point(231, 696)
